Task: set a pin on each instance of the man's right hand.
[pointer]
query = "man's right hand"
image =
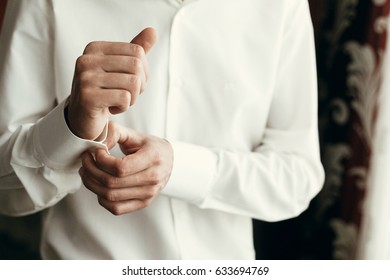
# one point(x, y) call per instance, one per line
point(108, 78)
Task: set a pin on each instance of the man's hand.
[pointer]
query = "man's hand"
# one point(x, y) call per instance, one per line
point(128, 184)
point(108, 78)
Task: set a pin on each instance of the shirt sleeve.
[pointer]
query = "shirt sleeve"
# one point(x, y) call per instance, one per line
point(39, 154)
point(278, 179)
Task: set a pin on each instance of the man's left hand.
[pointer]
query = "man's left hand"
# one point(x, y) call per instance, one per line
point(127, 184)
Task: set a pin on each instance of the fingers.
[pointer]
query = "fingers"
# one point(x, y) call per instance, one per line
point(120, 201)
point(139, 45)
point(119, 195)
point(111, 72)
point(114, 48)
point(147, 176)
point(122, 167)
point(120, 62)
point(135, 52)
point(124, 207)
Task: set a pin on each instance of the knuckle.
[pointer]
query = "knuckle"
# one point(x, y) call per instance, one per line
point(152, 191)
point(136, 81)
point(137, 63)
point(113, 208)
point(111, 195)
point(83, 63)
point(154, 177)
point(110, 181)
point(85, 78)
point(120, 169)
point(92, 47)
point(133, 79)
point(138, 51)
point(148, 193)
point(125, 98)
point(116, 210)
point(157, 157)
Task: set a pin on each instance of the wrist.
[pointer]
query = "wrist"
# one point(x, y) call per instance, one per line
point(102, 136)
point(69, 123)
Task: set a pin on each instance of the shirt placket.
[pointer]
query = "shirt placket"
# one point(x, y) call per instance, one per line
point(177, 85)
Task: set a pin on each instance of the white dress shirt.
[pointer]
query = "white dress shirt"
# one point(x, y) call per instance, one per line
point(233, 88)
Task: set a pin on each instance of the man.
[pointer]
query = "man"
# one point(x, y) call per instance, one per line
point(229, 84)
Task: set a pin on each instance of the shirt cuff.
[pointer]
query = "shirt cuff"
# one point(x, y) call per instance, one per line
point(193, 173)
point(55, 145)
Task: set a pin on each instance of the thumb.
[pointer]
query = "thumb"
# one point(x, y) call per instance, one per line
point(146, 39)
point(113, 134)
point(128, 139)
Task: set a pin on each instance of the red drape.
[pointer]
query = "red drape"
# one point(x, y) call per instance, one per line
point(3, 4)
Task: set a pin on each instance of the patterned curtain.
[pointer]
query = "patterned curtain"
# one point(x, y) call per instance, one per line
point(351, 41)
